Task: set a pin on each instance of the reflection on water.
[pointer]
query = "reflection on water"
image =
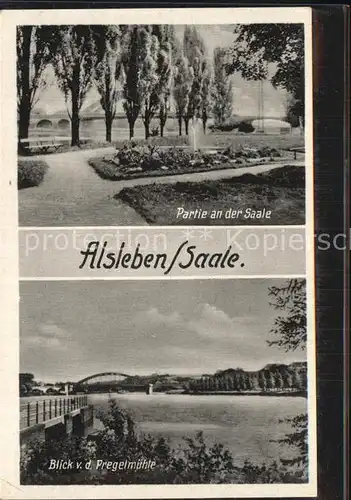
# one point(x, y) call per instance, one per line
point(246, 425)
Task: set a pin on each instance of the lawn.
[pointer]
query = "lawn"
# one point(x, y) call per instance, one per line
point(280, 191)
point(240, 140)
point(30, 173)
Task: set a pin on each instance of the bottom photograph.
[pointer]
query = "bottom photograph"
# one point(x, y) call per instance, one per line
point(163, 382)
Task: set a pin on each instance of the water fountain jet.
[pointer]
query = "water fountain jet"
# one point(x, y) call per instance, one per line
point(195, 134)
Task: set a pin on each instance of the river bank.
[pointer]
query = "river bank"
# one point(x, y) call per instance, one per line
point(284, 394)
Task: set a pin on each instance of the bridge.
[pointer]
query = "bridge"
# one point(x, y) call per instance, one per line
point(110, 381)
point(55, 417)
point(59, 120)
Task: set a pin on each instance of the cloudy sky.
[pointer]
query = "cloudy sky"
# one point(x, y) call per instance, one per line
point(245, 93)
point(69, 330)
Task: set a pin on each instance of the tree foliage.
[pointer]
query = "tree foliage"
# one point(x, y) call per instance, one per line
point(193, 462)
point(258, 45)
point(206, 95)
point(290, 328)
point(297, 439)
point(33, 56)
point(182, 84)
point(194, 51)
point(168, 50)
point(271, 378)
point(138, 67)
point(222, 92)
point(75, 58)
point(107, 71)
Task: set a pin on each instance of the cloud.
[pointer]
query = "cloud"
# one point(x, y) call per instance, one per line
point(157, 318)
point(214, 323)
point(43, 342)
point(48, 335)
point(207, 321)
point(52, 330)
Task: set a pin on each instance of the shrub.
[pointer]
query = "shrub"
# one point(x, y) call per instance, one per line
point(246, 127)
point(130, 156)
point(30, 173)
point(36, 455)
point(177, 157)
point(245, 152)
point(173, 140)
point(225, 127)
point(151, 158)
point(267, 151)
point(195, 462)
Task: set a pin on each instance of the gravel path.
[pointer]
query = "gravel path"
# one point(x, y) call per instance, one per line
point(72, 194)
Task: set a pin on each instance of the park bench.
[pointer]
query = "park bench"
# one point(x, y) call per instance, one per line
point(297, 150)
point(43, 144)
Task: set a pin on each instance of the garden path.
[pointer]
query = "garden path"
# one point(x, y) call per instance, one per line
point(72, 194)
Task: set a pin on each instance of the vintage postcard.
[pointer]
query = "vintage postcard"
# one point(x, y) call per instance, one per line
point(159, 319)
point(162, 124)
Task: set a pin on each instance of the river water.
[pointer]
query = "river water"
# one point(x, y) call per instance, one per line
point(245, 425)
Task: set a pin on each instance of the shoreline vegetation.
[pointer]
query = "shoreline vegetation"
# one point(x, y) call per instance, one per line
point(298, 394)
point(194, 462)
point(274, 379)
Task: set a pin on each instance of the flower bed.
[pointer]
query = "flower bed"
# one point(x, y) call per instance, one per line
point(142, 161)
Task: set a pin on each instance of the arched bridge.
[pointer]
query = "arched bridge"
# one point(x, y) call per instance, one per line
point(107, 381)
point(103, 375)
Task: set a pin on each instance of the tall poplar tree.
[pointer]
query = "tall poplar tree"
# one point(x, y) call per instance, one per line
point(139, 58)
point(107, 71)
point(222, 89)
point(75, 58)
point(194, 51)
point(206, 95)
point(33, 56)
point(168, 50)
point(182, 83)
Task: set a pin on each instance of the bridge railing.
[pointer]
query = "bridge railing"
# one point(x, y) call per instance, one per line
point(37, 412)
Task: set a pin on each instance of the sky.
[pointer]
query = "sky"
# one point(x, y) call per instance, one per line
point(69, 330)
point(245, 93)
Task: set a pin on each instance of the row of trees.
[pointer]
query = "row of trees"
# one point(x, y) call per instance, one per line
point(142, 65)
point(264, 380)
point(146, 67)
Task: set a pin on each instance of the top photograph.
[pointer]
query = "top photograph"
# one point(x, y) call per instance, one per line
point(161, 124)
